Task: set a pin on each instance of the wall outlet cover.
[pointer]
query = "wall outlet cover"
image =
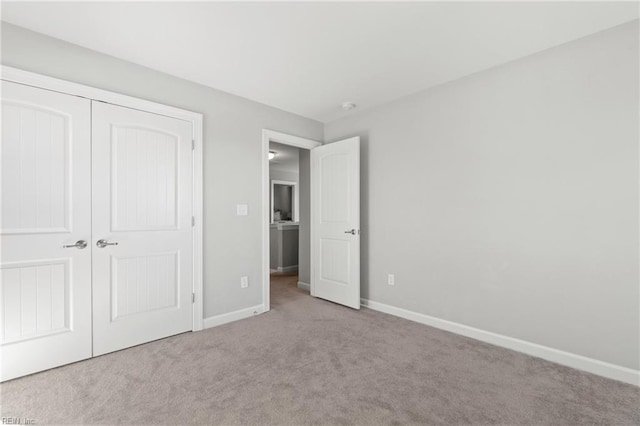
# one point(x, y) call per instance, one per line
point(242, 210)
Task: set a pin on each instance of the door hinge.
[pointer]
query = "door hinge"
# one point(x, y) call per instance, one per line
point(193, 221)
point(193, 145)
point(193, 298)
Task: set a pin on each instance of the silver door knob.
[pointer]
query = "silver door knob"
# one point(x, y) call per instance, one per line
point(351, 231)
point(104, 243)
point(80, 244)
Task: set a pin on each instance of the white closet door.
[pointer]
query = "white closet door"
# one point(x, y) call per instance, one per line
point(46, 204)
point(142, 201)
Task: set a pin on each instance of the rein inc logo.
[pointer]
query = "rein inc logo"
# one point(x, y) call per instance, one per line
point(17, 421)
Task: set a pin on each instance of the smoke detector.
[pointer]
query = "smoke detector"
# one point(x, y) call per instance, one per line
point(348, 106)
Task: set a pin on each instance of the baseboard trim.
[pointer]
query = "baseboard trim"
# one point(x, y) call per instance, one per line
point(304, 286)
point(601, 368)
point(287, 268)
point(233, 316)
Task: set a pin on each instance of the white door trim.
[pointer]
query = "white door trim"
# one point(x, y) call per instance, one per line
point(283, 138)
point(57, 85)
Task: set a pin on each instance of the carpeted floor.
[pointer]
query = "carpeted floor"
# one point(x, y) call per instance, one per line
point(311, 361)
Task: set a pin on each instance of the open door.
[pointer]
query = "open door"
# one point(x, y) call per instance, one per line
point(335, 222)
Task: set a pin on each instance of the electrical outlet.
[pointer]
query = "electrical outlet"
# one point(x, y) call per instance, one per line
point(391, 279)
point(244, 282)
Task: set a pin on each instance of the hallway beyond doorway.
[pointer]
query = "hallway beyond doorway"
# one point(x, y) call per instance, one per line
point(284, 288)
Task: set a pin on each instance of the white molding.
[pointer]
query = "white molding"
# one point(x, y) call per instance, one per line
point(286, 226)
point(233, 316)
point(304, 286)
point(196, 119)
point(63, 86)
point(198, 229)
point(601, 368)
point(287, 268)
point(283, 138)
point(287, 139)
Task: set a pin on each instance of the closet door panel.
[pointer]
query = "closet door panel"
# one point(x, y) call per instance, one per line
point(142, 208)
point(45, 293)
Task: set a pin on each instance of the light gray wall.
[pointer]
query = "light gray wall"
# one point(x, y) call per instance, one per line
point(282, 175)
point(288, 171)
point(283, 241)
point(290, 247)
point(232, 151)
point(275, 174)
point(283, 201)
point(286, 158)
point(274, 247)
point(508, 200)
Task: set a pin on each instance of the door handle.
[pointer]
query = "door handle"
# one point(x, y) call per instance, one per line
point(351, 231)
point(104, 243)
point(80, 244)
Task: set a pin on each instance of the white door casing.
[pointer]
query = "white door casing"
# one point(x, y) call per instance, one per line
point(335, 222)
point(45, 292)
point(269, 136)
point(142, 200)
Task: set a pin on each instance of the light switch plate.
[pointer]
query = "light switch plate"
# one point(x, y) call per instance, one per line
point(244, 282)
point(242, 210)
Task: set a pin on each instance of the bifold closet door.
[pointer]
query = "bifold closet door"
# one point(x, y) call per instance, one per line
point(142, 227)
point(45, 230)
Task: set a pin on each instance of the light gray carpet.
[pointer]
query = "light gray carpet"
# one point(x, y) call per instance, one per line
point(310, 361)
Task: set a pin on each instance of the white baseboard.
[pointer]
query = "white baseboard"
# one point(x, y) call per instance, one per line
point(304, 286)
point(233, 316)
point(287, 268)
point(579, 362)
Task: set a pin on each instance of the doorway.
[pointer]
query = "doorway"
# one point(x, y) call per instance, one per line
point(334, 218)
point(285, 209)
point(288, 252)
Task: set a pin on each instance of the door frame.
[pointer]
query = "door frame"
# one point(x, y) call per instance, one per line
point(269, 136)
point(28, 78)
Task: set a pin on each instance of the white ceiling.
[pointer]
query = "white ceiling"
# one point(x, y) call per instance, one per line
point(308, 58)
point(286, 159)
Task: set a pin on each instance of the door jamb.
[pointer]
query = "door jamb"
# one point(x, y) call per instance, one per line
point(285, 139)
point(28, 78)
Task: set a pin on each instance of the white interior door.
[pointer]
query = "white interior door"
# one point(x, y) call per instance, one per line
point(335, 222)
point(46, 204)
point(142, 208)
